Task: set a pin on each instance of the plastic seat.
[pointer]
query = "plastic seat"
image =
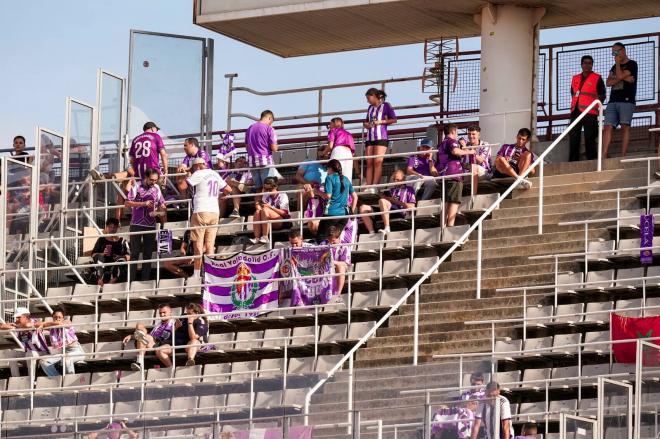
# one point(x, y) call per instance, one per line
point(301, 365)
point(569, 313)
point(454, 233)
point(428, 236)
point(55, 295)
point(536, 378)
point(330, 333)
point(399, 239)
point(326, 362)
point(112, 320)
point(594, 307)
point(249, 340)
point(302, 335)
point(358, 330)
point(391, 297)
point(565, 376)
point(85, 293)
point(566, 343)
point(622, 305)
point(295, 397)
point(271, 367)
point(601, 249)
point(422, 265)
point(564, 281)
point(366, 270)
point(278, 334)
point(629, 273)
point(603, 278)
point(512, 346)
point(142, 288)
point(272, 398)
point(593, 337)
point(568, 406)
point(364, 300)
point(188, 374)
point(216, 373)
point(170, 287)
point(115, 292)
point(242, 371)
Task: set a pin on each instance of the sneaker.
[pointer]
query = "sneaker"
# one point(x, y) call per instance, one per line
point(254, 240)
point(525, 184)
point(264, 240)
point(141, 337)
point(190, 362)
point(136, 367)
point(95, 174)
point(384, 231)
point(234, 214)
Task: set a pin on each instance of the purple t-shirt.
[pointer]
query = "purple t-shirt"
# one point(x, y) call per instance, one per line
point(512, 153)
point(405, 194)
point(420, 164)
point(379, 112)
point(448, 163)
point(188, 159)
point(142, 216)
point(258, 138)
point(145, 152)
point(341, 137)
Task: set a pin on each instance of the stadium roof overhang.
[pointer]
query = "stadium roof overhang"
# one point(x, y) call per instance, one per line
point(306, 27)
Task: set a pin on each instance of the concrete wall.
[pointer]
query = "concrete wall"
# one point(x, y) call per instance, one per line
point(221, 6)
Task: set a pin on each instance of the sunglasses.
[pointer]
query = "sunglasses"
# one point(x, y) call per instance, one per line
point(615, 52)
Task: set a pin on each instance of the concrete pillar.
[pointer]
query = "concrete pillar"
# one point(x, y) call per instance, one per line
point(509, 40)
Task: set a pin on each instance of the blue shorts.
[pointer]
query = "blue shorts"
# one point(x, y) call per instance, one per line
point(259, 175)
point(619, 113)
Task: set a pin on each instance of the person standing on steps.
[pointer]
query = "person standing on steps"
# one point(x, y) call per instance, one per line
point(380, 114)
point(622, 81)
point(586, 87)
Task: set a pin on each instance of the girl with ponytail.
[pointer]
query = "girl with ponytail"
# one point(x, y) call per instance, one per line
point(380, 114)
point(338, 188)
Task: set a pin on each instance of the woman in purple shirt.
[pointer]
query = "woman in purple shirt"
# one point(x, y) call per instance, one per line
point(341, 146)
point(379, 115)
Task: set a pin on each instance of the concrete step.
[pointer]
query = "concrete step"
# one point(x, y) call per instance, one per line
point(486, 263)
point(516, 239)
point(560, 198)
point(578, 187)
point(463, 305)
point(577, 206)
point(385, 338)
point(455, 316)
point(505, 229)
point(527, 249)
point(587, 177)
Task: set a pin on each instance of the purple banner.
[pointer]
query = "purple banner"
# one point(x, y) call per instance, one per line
point(241, 283)
point(646, 227)
point(303, 264)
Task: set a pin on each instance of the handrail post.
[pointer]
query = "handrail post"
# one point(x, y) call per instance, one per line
point(540, 198)
point(416, 329)
point(350, 396)
point(479, 254)
point(600, 137)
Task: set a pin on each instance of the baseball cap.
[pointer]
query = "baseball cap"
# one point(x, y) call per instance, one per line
point(150, 125)
point(21, 311)
point(199, 161)
point(426, 142)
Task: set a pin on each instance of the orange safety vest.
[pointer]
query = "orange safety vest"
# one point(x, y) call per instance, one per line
point(585, 96)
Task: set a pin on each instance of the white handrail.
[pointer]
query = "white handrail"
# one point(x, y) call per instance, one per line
point(477, 225)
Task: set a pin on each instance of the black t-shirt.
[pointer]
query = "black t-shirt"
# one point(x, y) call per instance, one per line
point(624, 91)
point(117, 248)
point(181, 335)
point(190, 251)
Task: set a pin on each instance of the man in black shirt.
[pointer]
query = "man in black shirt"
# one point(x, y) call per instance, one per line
point(621, 106)
point(19, 153)
point(110, 249)
point(192, 330)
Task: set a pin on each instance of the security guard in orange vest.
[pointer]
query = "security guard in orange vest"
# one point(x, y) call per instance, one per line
point(585, 88)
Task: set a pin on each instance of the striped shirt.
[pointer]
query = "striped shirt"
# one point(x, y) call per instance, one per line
point(379, 112)
point(483, 151)
point(487, 415)
point(142, 216)
point(279, 200)
point(62, 336)
point(512, 153)
point(33, 340)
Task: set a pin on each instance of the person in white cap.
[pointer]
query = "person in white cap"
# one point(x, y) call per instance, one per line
point(32, 338)
point(207, 186)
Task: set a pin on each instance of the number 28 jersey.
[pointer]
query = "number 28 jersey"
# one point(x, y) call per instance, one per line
point(145, 152)
point(207, 186)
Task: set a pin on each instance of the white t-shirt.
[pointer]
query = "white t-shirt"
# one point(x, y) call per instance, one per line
point(207, 186)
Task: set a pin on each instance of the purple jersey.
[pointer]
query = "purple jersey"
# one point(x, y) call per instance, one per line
point(341, 137)
point(379, 112)
point(279, 200)
point(483, 151)
point(188, 159)
point(145, 152)
point(342, 253)
point(512, 153)
point(163, 332)
point(421, 164)
point(457, 420)
point(404, 194)
point(62, 336)
point(33, 339)
point(448, 163)
point(258, 138)
point(144, 216)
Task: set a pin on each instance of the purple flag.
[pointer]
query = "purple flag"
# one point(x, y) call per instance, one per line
point(646, 239)
point(242, 283)
point(301, 263)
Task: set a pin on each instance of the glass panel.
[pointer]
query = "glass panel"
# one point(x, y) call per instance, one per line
point(650, 393)
point(110, 112)
point(80, 150)
point(615, 410)
point(165, 81)
point(50, 179)
point(579, 428)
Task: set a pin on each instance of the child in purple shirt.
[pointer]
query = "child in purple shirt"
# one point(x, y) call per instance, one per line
point(146, 202)
point(380, 114)
point(398, 197)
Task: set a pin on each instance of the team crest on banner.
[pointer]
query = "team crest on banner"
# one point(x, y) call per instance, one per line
point(306, 266)
point(241, 284)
